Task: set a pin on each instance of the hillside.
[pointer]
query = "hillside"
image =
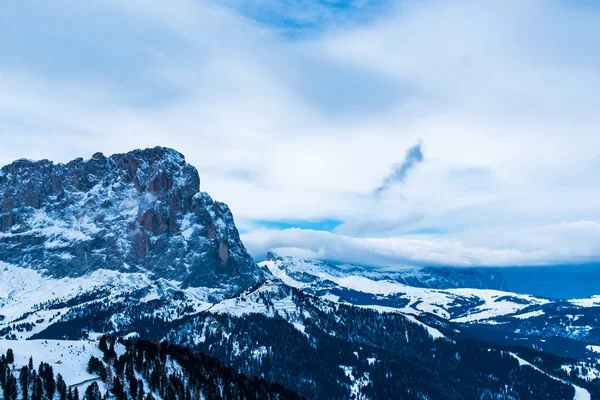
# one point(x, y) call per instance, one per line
point(123, 370)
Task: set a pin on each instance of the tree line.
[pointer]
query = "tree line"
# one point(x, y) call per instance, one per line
point(145, 370)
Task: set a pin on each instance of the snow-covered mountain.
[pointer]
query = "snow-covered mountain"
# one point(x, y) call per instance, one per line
point(306, 270)
point(388, 291)
point(128, 246)
point(139, 212)
point(276, 330)
point(559, 326)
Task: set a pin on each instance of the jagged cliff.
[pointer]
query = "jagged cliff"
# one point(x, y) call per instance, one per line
point(136, 212)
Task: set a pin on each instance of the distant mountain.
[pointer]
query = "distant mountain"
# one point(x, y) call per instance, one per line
point(558, 326)
point(435, 278)
point(458, 296)
point(139, 212)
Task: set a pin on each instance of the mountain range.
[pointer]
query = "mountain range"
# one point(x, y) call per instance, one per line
point(128, 246)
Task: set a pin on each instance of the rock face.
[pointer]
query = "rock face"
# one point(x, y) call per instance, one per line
point(136, 212)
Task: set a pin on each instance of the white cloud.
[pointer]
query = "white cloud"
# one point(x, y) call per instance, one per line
point(504, 95)
point(545, 245)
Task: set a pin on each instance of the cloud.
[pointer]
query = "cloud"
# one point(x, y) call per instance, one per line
point(566, 243)
point(412, 158)
point(377, 227)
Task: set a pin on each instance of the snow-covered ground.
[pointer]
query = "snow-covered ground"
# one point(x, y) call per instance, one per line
point(496, 303)
point(580, 393)
point(22, 288)
point(68, 358)
point(587, 373)
point(433, 332)
point(357, 384)
point(593, 348)
point(528, 315)
point(251, 303)
point(593, 301)
point(24, 293)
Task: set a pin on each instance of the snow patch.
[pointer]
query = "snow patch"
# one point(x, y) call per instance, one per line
point(528, 315)
point(593, 348)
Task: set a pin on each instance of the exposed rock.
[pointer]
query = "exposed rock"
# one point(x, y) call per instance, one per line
point(140, 211)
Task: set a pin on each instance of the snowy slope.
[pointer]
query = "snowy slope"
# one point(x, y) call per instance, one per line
point(557, 326)
point(68, 358)
point(458, 305)
point(21, 289)
point(580, 393)
point(593, 301)
point(30, 303)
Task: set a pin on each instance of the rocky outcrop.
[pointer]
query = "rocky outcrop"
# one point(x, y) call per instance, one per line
point(136, 212)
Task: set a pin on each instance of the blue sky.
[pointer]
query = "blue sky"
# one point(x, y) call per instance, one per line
point(296, 112)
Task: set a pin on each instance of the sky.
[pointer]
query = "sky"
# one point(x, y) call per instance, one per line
point(382, 133)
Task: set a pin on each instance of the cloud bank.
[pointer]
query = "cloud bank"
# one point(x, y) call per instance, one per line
point(572, 243)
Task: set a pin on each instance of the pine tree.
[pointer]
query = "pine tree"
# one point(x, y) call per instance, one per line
point(118, 389)
point(139, 359)
point(38, 389)
point(3, 368)
point(92, 392)
point(47, 375)
point(111, 349)
point(75, 394)
point(31, 371)
point(102, 345)
point(91, 365)
point(10, 387)
point(102, 372)
point(119, 364)
point(61, 386)
point(24, 382)
point(133, 387)
point(154, 379)
point(10, 357)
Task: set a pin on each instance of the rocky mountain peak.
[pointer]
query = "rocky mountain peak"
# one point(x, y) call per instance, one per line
point(155, 171)
point(141, 211)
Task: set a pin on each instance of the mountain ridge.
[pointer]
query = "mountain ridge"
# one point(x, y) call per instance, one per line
point(140, 211)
